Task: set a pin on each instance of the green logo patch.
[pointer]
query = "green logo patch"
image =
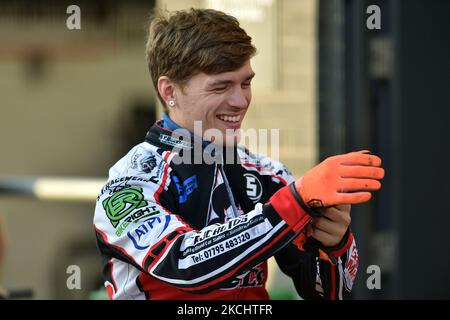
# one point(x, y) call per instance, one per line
point(122, 203)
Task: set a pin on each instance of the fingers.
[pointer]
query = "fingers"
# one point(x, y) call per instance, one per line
point(333, 221)
point(351, 184)
point(337, 213)
point(360, 158)
point(357, 171)
point(341, 179)
point(324, 237)
point(334, 229)
point(331, 226)
point(324, 224)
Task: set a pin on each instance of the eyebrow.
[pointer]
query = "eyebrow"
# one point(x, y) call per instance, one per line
point(219, 82)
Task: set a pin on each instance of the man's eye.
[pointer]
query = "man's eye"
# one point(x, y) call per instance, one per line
point(220, 89)
point(246, 85)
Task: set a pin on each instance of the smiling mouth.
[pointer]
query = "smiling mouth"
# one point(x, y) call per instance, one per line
point(230, 119)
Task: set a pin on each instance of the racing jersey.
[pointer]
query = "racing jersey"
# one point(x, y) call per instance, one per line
point(168, 228)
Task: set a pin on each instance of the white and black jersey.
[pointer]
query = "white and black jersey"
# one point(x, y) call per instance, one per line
point(168, 229)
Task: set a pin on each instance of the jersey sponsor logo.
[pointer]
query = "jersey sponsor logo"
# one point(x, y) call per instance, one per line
point(218, 232)
point(251, 279)
point(253, 187)
point(148, 163)
point(136, 217)
point(351, 267)
point(215, 230)
point(240, 237)
point(119, 187)
point(122, 183)
point(139, 235)
point(174, 142)
point(186, 188)
point(122, 203)
point(145, 163)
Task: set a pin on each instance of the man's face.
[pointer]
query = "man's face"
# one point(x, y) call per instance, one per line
point(219, 101)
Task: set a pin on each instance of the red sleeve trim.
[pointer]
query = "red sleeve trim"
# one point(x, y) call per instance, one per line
point(333, 282)
point(286, 206)
point(347, 245)
point(105, 239)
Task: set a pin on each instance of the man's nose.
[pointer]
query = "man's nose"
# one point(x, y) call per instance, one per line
point(239, 98)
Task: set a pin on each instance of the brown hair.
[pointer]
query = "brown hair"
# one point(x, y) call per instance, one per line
point(187, 42)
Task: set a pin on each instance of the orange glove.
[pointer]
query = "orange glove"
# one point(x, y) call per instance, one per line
point(341, 179)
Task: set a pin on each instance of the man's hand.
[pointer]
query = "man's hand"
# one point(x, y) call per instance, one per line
point(331, 227)
point(342, 179)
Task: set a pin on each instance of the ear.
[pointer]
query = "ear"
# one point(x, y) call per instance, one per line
point(166, 88)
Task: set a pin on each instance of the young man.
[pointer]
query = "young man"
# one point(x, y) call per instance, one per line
point(171, 227)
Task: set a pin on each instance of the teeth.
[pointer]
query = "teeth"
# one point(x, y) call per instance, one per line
point(230, 118)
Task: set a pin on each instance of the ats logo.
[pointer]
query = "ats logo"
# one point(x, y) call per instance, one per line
point(139, 236)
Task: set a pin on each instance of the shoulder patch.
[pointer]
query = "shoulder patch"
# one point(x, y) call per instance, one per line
point(122, 203)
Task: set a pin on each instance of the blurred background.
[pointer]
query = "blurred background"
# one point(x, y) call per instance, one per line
point(72, 102)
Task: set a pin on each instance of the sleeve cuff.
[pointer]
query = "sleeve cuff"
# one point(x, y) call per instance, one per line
point(343, 246)
point(302, 204)
point(285, 204)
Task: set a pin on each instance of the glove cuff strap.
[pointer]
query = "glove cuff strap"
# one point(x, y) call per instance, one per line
point(302, 204)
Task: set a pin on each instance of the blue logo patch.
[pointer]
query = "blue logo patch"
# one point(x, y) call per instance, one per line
point(185, 189)
point(138, 235)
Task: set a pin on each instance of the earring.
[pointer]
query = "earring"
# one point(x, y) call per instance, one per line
point(171, 103)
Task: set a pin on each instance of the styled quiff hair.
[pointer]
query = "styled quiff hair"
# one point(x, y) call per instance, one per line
point(184, 43)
